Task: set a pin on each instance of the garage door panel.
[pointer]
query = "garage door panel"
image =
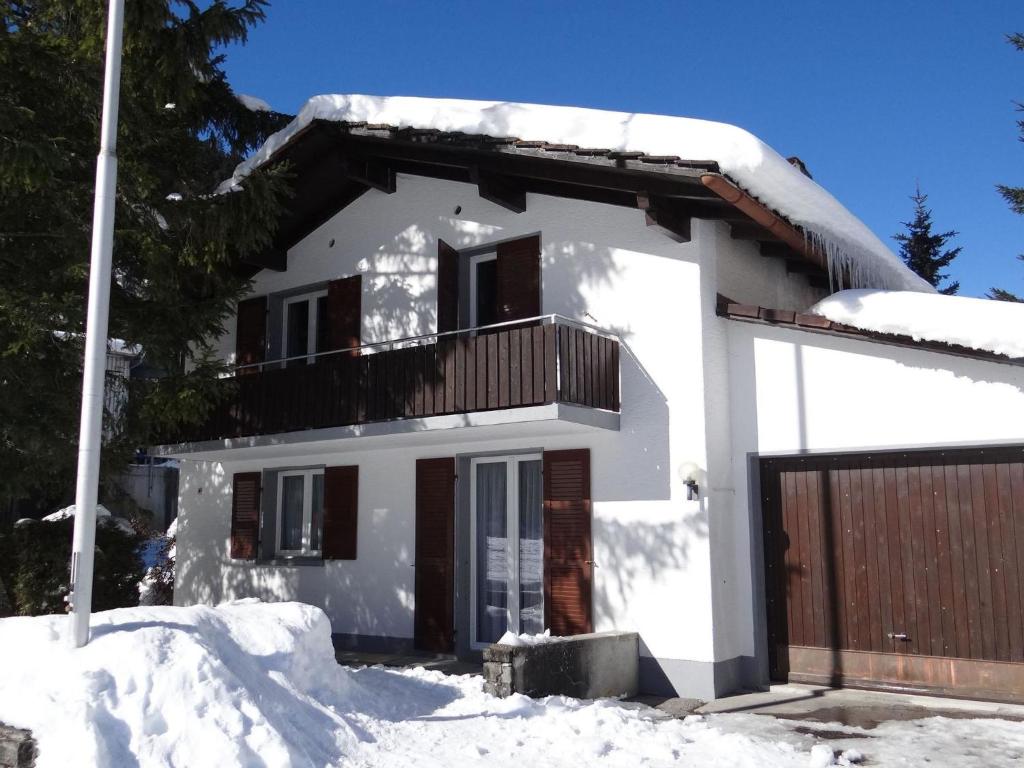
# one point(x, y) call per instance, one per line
point(962, 598)
point(864, 549)
point(1011, 572)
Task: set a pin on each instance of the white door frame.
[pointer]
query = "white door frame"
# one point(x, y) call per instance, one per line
point(511, 463)
point(312, 298)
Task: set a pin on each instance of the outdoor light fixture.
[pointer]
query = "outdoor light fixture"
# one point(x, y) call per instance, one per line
point(688, 473)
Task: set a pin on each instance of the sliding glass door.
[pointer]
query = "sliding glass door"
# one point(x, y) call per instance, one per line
point(507, 532)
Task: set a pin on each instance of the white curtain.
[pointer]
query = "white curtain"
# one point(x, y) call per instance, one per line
point(531, 548)
point(291, 512)
point(491, 552)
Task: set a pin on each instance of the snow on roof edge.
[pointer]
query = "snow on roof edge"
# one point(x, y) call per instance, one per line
point(847, 242)
point(981, 324)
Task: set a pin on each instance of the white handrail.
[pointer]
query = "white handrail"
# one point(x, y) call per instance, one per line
point(552, 319)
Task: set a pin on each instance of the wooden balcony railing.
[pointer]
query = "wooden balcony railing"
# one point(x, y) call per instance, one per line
point(511, 365)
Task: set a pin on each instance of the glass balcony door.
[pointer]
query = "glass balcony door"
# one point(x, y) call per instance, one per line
point(507, 533)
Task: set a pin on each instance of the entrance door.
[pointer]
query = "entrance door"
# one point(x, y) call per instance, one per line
point(507, 547)
point(898, 570)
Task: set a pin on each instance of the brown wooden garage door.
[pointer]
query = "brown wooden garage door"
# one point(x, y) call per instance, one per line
point(897, 570)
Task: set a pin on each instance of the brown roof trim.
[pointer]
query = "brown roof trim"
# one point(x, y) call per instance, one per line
point(760, 213)
point(749, 313)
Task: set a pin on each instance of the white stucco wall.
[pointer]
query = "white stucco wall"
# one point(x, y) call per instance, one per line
point(791, 391)
point(747, 277)
point(599, 264)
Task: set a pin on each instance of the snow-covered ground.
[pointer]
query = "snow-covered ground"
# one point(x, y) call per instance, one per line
point(252, 684)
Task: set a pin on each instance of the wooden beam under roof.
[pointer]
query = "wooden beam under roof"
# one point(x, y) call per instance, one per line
point(272, 258)
point(372, 172)
point(660, 215)
point(500, 190)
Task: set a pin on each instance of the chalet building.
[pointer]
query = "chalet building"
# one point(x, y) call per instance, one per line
point(489, 380)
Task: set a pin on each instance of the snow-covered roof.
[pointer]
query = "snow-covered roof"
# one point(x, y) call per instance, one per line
point(760, 170)
point(982, 324)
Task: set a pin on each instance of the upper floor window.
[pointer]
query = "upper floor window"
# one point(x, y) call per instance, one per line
point(305, 327)
point(300, 511)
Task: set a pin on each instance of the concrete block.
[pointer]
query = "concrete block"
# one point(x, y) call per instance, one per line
point(17, 748)
point(598, 665)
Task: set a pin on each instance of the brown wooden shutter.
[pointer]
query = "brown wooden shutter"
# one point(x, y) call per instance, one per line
point(345, 312)
point(447, 287)
point(341, 512)
point(519, 279)
point(435, 555)
point(245, 515)
point(251, 332)
point(568, 550)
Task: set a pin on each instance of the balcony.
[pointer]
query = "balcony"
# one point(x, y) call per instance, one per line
point(542, 361)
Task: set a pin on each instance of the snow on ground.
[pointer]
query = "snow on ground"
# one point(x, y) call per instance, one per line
point(252, 684)
point(984, 324)
point(755, 166)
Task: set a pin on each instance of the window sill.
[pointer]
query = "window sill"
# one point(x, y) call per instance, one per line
point(297, 560)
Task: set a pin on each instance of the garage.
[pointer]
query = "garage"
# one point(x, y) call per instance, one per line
point(901, 570)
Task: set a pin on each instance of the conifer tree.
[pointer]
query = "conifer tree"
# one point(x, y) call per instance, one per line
point(925, 251)
point(177, 246)
point(1014, 196)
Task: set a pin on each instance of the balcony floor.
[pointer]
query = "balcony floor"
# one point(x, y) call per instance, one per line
point(540, 420)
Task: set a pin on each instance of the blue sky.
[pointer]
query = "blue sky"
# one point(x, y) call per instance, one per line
point(874, 96)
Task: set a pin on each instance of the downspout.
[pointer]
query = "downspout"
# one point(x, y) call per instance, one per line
point(763, 217)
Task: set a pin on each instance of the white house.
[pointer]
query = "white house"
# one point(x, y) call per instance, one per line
point(520, 367)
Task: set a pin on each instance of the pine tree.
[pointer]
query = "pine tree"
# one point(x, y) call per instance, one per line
point(1014, 196)
point(924, 251)
point(177, 247)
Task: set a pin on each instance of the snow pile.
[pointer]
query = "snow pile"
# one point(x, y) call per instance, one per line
point(256, 684)
point(748, 161)
point(103, 517)
point(519, 641)
point(253, 103)
point(983, 324)
point(240, 684)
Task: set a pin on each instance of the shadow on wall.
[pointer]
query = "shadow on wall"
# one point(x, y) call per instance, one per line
point(373, 595)
point(639, 553)
point(204, 570)
point(401, 299)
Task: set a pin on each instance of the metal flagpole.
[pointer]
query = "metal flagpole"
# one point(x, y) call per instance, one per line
point(91, 427)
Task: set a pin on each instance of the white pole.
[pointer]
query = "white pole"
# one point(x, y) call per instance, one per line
point(91, 428)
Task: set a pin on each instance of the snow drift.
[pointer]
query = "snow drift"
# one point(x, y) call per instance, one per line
point(256, 684)
point(748, 161)
point(983, 324)
point(233, 685)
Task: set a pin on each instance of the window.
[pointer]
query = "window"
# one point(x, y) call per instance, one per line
point(305, 327)
point(483, 290)
point(300, 512)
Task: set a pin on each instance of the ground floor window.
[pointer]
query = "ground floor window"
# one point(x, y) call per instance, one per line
point(507, 531)
point(300, 511)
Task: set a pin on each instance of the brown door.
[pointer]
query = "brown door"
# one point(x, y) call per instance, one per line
point(897, 570)
point(434, 619)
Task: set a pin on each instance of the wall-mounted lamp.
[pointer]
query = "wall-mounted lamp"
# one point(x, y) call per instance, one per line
point(688, 473)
